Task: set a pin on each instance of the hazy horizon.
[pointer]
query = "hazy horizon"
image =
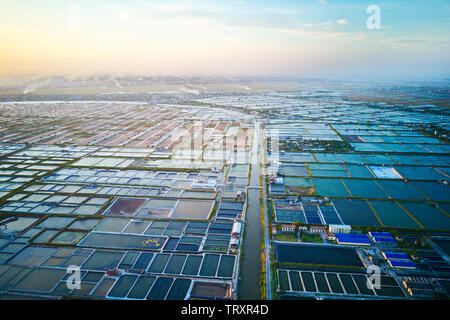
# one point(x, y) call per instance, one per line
point(226, 78)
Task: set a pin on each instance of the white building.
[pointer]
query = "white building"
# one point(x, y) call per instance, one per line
point(288, 228)
point(234, 243)
point(339, 228)
point(237, 227)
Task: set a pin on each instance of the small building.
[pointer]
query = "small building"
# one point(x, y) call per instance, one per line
point(352, 239)
point(239, 196)
point(317, 229)
point(395, 255)
point(234, 243)
point(330, 236)
point(278, 180)
point(237, 228)
point(288, 228)
point(339, 228)
point(401, 264)
point(274, 230)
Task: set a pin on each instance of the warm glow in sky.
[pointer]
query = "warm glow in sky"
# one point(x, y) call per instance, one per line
point(256, 37)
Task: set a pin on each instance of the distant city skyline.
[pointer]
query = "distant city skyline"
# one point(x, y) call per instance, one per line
point(315, 38)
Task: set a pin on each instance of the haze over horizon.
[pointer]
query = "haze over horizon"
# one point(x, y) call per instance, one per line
point(316, 38)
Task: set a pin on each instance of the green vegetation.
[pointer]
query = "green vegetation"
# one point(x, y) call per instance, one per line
point(418, 244)
point(274, 279)
point(313, 238)
point(262, 276)
point(286, 236)
point(314, 145)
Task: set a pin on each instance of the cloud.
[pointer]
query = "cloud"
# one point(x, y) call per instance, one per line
point(399, 43)
point(179, 12)
point(323, 2)
point(313, 34)
point(277, 20)
point(192, 16)
point(319, 24)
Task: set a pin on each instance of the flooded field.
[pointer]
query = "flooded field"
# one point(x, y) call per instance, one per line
point(163, 200)
point(313, 255)
point(145, 221)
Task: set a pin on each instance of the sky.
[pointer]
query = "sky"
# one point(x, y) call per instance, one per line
point(302, 38)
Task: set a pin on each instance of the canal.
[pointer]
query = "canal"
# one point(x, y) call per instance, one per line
point(251, 264)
